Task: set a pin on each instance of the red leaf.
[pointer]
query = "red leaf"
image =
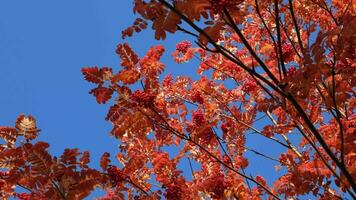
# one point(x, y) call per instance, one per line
point(128, 57)
point(105, 161)
point(127, 76)
point(92, 74)
point(9, 134)
point(102, 94)
point(95, 75)
point(138, 25)
point(27, 126)
point(85, 159)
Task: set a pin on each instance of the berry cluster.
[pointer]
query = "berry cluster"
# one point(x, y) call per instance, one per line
point(183, 46)
point(249, 86)
point(291, 71)
point(262, 181)
point(196, 97)
point(167, 81)
point(226, 127)
point(216, 185)
point(198, 117)
point(24, 196)
point(287, 52)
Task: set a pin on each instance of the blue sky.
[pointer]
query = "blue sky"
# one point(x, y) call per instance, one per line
point(43, 45)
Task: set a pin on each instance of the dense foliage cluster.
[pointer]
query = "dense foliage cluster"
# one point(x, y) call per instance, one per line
point(288, 65)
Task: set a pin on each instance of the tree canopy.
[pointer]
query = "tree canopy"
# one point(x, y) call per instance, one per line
point(270, 69)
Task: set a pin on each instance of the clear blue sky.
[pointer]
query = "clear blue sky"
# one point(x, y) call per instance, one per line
point(43, 45)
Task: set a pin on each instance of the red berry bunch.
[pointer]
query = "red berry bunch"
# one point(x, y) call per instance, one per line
point(115, 174)
point(249, 86)
point(216, 185)
point(226, 159)
point(291, 71)
point(287, 51)
point(224, 128)
point(183, 46)
point(198, 117)
point(24, 196)
point(196, 97)
point(167, 81)
point(262, 181)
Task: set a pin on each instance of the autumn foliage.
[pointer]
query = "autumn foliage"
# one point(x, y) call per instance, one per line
point(272, 69)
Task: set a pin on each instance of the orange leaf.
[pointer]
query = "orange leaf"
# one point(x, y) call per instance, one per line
point(102, 94)
point(105, 161)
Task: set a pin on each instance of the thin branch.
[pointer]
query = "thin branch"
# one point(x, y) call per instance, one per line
point(137, 186)
point(24, 187)
point(322, 142)
point(191, 168)
point(338, 119)
point(189, 139)
point(61, 193)
point(261, 154)
point(296, 25)
point(289, 143)
point(277, 88)
point(221, 49)
point(265, 25)
point(328, 10)
point(287, 36)
point(230, 159)
point(179, 28)
point(279, 39)
point(271, 36)
point(255, 130)
point(232, 24)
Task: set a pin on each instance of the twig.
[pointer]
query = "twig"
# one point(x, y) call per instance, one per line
point(292, 147)
point(276, 10)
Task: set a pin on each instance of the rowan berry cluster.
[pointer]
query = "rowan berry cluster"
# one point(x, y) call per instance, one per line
point(249, 86)
point(197, 97)
point(198, 117)
point(291, 71)
point(183, 46)
point(287, 52)
point(24, 196)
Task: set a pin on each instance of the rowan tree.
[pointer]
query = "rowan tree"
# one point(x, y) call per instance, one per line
point(288, 66)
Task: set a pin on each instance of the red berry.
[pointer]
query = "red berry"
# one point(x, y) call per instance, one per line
point(198, 117)
point(291, 71)
point(183, 46)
